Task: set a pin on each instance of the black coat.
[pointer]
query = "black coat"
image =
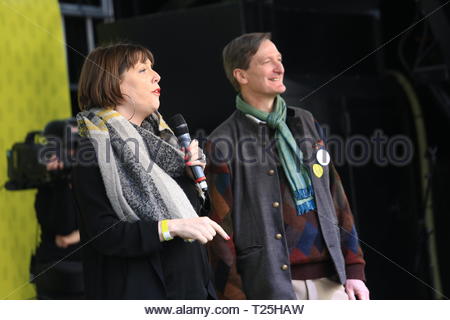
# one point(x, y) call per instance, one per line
point(55, 212)
point(125, 260)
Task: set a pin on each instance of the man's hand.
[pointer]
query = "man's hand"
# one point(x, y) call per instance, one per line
point(356, 289)
point(54, 164)
point(67, 240)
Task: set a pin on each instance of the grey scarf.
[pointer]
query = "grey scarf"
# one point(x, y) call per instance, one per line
point(138, 165)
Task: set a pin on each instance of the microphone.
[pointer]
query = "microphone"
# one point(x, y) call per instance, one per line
point(181, 130)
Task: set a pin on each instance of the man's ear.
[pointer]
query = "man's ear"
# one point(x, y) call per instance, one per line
point(240, 76)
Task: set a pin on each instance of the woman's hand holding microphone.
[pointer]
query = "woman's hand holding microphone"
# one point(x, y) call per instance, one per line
point(194, 157)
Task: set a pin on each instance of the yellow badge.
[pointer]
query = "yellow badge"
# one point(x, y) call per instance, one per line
point(318, 170)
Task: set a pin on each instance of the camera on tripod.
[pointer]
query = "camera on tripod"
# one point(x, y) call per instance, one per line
point(27, 161)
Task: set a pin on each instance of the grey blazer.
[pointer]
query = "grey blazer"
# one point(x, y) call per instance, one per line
point(247, 147)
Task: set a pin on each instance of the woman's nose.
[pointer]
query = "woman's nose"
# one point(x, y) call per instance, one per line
point(156, 77)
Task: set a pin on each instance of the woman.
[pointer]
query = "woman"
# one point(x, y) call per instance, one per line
point(141, 234)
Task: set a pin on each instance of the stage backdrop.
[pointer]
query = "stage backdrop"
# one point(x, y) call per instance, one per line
point(33, 90)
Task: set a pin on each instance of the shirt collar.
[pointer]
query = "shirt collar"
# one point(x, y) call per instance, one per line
point(253, 118)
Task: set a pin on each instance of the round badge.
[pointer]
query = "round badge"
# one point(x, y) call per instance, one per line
point(323, 157)
point(318, 170)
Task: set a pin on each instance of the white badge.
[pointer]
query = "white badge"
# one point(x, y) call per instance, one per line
point(323, 157)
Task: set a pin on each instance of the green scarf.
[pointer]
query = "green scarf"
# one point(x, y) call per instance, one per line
point(291, 156)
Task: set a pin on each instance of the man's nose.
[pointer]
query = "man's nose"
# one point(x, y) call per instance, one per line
point(279, 68)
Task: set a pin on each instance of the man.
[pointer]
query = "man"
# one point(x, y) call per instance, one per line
point(56, 265)
point(275, 192)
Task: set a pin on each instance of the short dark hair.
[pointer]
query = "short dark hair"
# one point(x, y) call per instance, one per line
point(239, 51)
point(99, 84)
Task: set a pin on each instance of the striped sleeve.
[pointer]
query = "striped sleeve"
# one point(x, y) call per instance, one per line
point(222, 253)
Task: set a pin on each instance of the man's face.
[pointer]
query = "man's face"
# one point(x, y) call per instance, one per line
point(264, 75)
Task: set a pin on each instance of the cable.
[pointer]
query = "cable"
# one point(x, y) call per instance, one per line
point(416, 110)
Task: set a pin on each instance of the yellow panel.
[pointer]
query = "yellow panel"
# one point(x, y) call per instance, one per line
point(33, 91)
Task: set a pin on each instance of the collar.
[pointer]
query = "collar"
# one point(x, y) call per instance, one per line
point(290, 113)
point(253, 118)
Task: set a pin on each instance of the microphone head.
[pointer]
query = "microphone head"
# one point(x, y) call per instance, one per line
point(178, 124)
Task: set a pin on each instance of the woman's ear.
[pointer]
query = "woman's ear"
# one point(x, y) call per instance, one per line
point(123, 87)
point(240, 76)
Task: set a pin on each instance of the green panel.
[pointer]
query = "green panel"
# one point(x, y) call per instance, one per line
point(33, 91)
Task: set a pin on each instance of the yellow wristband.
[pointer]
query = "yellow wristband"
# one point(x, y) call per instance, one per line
point(165, 231)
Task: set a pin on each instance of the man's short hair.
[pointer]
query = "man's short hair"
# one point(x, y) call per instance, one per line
point(239, 51)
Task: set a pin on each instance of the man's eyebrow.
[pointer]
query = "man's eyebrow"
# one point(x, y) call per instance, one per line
point(263, 58)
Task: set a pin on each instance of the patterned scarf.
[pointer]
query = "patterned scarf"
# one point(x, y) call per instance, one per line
point(291, 157)
point(137, 165)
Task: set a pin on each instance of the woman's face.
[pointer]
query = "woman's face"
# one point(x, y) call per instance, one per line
point(140, 89)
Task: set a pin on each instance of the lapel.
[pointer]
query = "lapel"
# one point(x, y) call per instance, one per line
point(308, 139)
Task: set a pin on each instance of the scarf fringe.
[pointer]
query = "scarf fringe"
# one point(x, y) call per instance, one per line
point(301, 195)
point(304, 193)
point(305, 207)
